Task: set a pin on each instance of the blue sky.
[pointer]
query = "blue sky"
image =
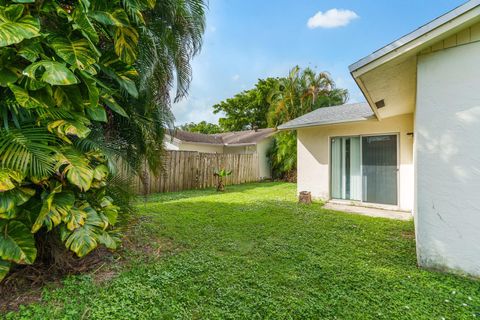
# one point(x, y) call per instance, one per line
point(250, 39)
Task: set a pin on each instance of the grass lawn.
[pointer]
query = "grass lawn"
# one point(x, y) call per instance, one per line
point(253, 253)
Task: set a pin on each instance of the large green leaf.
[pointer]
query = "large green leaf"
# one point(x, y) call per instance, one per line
point(55, 208)
point(112, 104)
point(10, 201)
point(52, 72)
point(16, 243)
point(75, 218)
point(30, 49)
point(6, 181)
point(31, 99)
point(80, 176)
point(7, 76)
point(106, 239)
point(76, 52)
point(97, 113)
point(14, 28)
point(82, 240)
point(117, 18)
point(65, 128)
point(126, 41)
point(91, 84)
point(84, 25)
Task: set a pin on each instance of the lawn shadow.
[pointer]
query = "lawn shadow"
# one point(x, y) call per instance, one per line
point(201, 193)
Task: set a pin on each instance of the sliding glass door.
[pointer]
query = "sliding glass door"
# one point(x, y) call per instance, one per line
point(364, 169)
point(346, 168)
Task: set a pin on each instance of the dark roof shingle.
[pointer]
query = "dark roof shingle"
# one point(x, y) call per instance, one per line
point(331, 115)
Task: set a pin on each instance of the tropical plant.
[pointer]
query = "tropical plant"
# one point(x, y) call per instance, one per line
point(220, 174)
point(202, 127)
point(248, 109)
point(299, 93)
point(81, 82)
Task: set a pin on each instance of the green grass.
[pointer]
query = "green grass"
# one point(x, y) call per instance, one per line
point(253, 253)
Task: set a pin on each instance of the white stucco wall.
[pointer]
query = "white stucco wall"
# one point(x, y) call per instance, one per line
point(314, 154)
point(447, 159)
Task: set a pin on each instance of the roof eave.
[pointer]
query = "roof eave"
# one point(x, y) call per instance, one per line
point(431, 30)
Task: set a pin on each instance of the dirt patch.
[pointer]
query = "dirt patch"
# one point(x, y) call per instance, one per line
point(408, 235)
point(24, 284)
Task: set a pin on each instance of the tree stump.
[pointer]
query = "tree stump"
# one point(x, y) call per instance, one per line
point(305, 197)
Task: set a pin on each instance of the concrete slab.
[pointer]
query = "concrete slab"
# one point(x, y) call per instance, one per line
point(371, 212)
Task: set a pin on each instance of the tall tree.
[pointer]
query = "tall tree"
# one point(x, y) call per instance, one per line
point(201, 127)
point(248, 109)
point(82, 83)
point(299, 93)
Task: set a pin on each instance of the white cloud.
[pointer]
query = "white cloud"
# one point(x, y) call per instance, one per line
point(236, 77)
point(332, 18)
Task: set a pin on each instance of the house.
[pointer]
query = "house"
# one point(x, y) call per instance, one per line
point(415, 144)
point(239, 142)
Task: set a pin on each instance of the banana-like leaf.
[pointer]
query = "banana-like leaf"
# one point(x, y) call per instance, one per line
point(76, 52)
point(16, 243)
point(52, 72)
point(126, 44)
point(55, 208)
point(4, 268)
point(14, 28)
point(31, 99)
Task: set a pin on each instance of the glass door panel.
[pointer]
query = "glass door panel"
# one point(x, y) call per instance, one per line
point(379, 169)
point(346, 179)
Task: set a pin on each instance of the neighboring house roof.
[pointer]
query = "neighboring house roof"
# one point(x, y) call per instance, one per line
point(198, 137)
point(331, 115)
point(418, 33)
point(246, 137)
point(237, 138)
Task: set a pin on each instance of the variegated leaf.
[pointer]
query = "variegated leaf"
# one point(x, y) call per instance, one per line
point(76, 52)
point(14, 28)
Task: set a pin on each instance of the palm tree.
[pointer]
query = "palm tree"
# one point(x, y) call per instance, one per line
point(82, 84)
point(171, 38)
point(302, 92)
point(297, 94)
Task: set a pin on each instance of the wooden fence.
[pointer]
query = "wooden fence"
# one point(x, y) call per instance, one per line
point(185, 170)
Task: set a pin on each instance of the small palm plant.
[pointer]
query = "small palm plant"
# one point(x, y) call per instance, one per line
point(220, 174)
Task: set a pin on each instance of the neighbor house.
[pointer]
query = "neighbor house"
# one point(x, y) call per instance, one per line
point(415, 144)
point(238, 142)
